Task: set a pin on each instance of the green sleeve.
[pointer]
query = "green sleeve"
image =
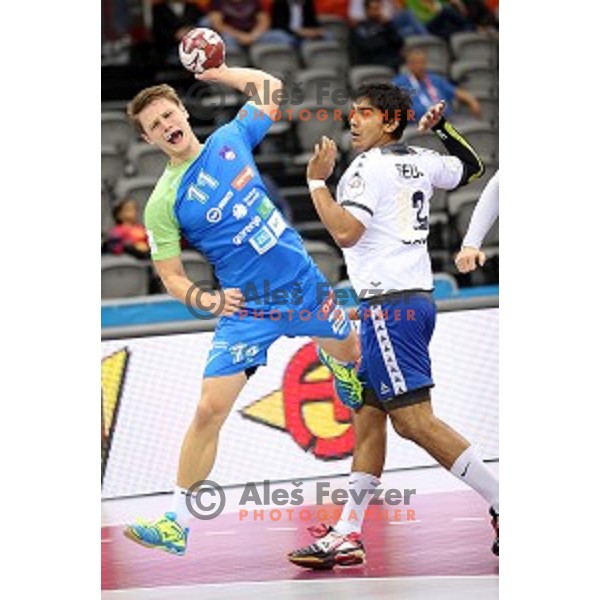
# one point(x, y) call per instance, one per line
point(162, 227)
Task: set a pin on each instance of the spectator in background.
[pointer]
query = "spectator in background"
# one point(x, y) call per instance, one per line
point(442, 18)
point(171, 20)
point(375, 41)
point(128, 236)
point(481, 15)
point(428, 88)
point(298, 19)
point(403, 20)
point(241, 23)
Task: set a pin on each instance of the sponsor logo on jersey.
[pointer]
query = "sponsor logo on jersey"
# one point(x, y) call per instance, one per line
point(276, 223)
point(264, 240)
point(225, 200)
point(249, 228)
point(384, 389)
point(243, 177)
point(265, 208)
point(251, 197)
point(355, 187)
point(227, 153)
point(239, 211)
point(214, 215)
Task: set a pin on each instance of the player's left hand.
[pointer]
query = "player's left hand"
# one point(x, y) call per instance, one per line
point(468, 259)
point(322, 162)
point(212, 74)
point(432, 116)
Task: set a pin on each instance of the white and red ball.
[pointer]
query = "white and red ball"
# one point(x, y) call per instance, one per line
point(201, 49)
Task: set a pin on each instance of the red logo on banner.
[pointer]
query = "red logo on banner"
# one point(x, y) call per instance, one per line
point(308, 408)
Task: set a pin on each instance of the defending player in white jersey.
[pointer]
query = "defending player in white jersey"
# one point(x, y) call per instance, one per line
point(483, 217)
point(380, 221)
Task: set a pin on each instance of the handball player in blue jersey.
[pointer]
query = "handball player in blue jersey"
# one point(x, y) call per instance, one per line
point(212, 195)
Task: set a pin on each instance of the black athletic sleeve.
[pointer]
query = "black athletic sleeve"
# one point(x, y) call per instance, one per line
point(458, 146)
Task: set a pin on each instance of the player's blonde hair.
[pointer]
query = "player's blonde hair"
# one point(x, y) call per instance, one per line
point(146, 97)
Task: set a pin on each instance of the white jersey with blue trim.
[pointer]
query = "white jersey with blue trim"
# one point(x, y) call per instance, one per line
point(388, 189)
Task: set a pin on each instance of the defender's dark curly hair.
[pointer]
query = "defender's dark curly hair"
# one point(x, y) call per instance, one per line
point(394, 102)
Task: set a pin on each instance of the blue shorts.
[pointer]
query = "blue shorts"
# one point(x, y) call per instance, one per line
point(242, 340)
point(394, 337)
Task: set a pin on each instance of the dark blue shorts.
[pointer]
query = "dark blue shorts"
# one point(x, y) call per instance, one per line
point(395, 335)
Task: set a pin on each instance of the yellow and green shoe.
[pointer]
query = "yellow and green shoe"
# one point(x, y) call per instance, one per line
point(347, 384)
point(165, 534)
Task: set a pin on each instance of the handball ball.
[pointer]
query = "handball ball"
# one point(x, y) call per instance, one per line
point(201, 49)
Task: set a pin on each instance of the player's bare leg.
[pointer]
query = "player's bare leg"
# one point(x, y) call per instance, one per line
point(451, 450)
point(341, 544)
point(199, 448)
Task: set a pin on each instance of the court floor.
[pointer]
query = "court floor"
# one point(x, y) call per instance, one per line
point(441, 551)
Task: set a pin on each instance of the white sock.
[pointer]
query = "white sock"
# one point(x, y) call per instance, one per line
point(180, 508)
point(354, 510)
point(469, 468)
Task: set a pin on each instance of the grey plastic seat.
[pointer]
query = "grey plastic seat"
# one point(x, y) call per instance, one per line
point(484, 139)
point(474, 76)
point(427, 140)
point(279, 59)
point(106, 219)
point(337, 27)
point(366, 74)
point(327, 259)
point(475, 46)
point(112, 165)
point(116, 131)
point(436, 49)
point(325, 86)
point(325, 55)
point(123, 277)
point(146, 160)
point(197, 268)
point(138, 188)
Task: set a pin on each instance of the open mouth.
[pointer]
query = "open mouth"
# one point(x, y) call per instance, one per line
point(175, 137)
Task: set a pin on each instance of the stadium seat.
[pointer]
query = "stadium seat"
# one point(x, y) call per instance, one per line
point(475, 46)
point(324, 55)
point(438, 202)
point(116, 131)
point(146, 160)
point(112, 165)
point(237, 57)
point(106, 219)
point(474, 76)
point(138, 188)
point(197, 268)
point(337, 27)
point(311, 121)
point(365, 74)
point(299, 199)
point(484, 139)
point(325, 86)
point(463, 195)
point(123, 277)
point(436, 49)
point(327, 259)
point(428, 140)
point(280, 60)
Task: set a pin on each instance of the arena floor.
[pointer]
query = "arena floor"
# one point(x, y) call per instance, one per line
point(442, 553)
